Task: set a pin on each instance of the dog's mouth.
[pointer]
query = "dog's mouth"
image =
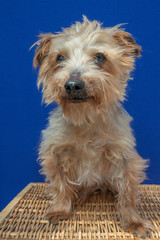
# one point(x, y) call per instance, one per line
point(77, 99)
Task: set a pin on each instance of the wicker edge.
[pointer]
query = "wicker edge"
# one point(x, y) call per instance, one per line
point(4, 213)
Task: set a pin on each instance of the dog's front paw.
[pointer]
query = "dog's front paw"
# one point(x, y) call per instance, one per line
point(141, 229)
point(55, 216)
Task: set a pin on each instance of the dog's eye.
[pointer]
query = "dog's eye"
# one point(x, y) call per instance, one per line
point(60, 58)
point(100, 58)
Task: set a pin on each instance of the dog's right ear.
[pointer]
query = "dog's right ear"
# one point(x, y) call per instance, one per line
point(43, 48)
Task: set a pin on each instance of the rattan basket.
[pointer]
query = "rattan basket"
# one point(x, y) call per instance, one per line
point(97, 218)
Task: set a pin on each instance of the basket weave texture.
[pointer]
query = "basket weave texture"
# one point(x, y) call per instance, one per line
point(97, 218)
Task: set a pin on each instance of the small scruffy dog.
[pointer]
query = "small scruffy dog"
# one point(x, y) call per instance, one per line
point(88, 143)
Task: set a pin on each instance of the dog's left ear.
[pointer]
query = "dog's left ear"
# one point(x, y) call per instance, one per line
point(126, 41)
point(42, 50)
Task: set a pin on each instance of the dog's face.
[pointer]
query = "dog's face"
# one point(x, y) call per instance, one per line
point(85, 68)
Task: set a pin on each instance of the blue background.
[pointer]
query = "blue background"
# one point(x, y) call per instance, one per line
point(22, 114)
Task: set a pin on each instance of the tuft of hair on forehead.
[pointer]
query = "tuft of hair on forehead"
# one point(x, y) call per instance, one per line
point(85, 26)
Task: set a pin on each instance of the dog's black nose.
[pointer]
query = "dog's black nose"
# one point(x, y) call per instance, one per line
point(74, 86)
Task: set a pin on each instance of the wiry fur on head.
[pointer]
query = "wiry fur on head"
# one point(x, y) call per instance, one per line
point(104, 85)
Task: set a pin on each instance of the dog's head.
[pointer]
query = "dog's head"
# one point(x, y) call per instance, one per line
point(85, 68)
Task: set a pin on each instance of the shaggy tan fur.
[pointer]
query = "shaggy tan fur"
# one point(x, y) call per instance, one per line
point(89, 145)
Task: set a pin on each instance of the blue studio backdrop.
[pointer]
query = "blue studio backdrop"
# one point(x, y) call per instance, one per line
point(22, 116)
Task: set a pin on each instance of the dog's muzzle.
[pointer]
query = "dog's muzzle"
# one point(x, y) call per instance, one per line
point(75, 88)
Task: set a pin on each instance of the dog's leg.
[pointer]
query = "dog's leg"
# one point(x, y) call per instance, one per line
point(127, 206)
point(61, 204)
point(130, 174)
point(56, 166)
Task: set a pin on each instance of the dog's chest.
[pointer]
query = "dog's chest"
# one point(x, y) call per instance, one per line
point(90, 165)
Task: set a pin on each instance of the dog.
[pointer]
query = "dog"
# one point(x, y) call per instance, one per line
point(88, 143)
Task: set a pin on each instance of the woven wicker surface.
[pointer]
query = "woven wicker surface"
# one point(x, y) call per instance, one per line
point(95, 219)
